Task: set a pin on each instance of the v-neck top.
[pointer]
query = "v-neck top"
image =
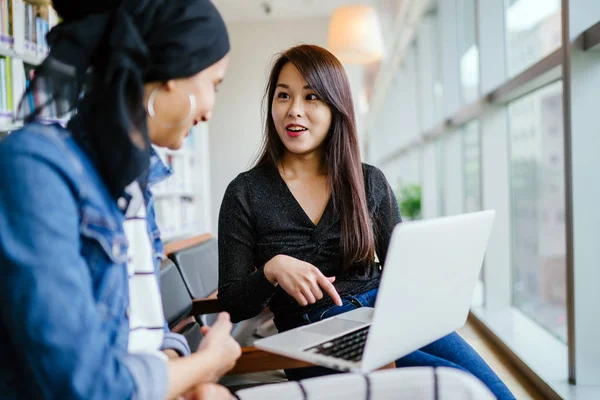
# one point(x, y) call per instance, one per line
point(260, 218)
point(299, 206)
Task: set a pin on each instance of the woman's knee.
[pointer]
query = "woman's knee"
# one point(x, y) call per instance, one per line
point(420, 358)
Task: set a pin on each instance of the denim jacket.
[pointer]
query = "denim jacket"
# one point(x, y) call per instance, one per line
point(64, 324)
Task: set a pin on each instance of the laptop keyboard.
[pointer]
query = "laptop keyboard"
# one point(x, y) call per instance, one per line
point(348, 347)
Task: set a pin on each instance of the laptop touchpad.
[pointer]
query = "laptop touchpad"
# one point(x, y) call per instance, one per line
point(333, 327)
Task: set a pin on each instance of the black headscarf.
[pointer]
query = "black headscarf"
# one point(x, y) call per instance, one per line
point(126, 43)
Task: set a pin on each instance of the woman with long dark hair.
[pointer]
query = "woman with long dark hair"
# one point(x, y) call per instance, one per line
point(80, 308)
point(311, 218)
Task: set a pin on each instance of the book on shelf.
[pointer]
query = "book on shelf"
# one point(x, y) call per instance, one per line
point(6, 88)
point(9, 84)
point(15, 77)
point(4, 106)
point(23, 29)
point(23, 26)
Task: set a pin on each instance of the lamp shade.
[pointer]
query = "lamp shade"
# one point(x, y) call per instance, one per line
point(355, 35)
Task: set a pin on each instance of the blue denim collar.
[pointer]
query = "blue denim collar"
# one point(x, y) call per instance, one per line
point(158, 171)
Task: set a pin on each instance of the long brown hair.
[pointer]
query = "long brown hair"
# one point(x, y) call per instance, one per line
point(327, 77)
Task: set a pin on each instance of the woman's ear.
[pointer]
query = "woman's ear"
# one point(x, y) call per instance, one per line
point(170, 85)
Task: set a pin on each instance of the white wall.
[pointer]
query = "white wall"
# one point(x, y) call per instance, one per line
point(236, 127)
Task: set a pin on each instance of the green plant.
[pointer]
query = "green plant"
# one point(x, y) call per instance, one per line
point(410, 201)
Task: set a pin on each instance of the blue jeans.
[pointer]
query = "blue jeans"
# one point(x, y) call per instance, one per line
point(450, 351)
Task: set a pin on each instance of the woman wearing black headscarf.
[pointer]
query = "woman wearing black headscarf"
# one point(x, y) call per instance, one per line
point(80, 312)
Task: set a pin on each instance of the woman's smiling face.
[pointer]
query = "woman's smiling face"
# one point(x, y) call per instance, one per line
point(301, 119)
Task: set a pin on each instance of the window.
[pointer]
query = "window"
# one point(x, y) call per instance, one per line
point(438, 84)
point(533, 31)
point(471, 150)
point(429, 70)
point(490, 141)
point(439, 156)
point(472, 167)
point(538, 208)
point(468, 52)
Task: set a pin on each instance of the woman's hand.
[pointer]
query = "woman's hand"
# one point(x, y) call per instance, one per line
point(171, 354)
point(207, 391)
point(219, 343)
point(197, 373)
point(301, 280)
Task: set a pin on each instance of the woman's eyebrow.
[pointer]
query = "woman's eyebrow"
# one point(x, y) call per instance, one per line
point(286, 86)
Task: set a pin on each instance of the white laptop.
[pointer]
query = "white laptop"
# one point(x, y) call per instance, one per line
point(425, 293)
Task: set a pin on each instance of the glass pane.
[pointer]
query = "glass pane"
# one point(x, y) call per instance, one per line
point(438, 86)
point(468, 51)
point(472, 186)
point(403, 174)
point(533, 30)
point(439, 155)
point(538, 207)
point(472, 166)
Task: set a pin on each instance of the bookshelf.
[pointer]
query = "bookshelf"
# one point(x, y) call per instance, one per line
point(182, 201)
point(23, 28)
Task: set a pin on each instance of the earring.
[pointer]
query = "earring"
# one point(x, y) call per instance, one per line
point(152, 111)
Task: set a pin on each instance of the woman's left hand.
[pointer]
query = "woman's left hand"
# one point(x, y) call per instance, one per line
point(207, 391)
point(171, 354)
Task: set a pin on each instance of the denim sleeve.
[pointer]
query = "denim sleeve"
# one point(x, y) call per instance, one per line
point(172, 340)
point(149, 373)
point(177, 342)
point(46, 300)
point(153, 229)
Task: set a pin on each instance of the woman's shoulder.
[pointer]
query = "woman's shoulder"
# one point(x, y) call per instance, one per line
point(373, 175)
point(257, 176)
point(54, 147)
point(38, 142)
point(377, 187)
point(248, 190)
point(31, 137)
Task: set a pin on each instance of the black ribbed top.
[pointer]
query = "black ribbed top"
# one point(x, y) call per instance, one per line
point(260, 218)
